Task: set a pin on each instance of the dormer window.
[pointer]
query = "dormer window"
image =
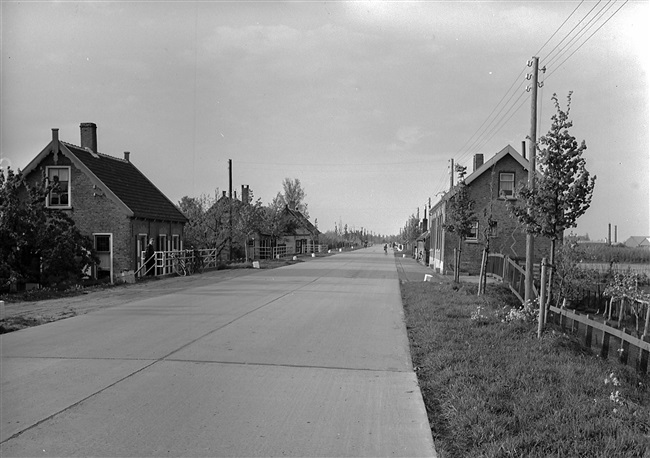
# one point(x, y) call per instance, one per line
point(59, 196)
point(506, 185)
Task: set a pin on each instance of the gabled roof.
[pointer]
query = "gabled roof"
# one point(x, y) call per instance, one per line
point(508, 150)
point(121, 181)
point(300, 218)
point(638, 241)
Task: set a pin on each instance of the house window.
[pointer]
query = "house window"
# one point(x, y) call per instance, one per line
point(103, 243)
point(162, 242)
point(104, 254)
point(473, 235)
point(506, 185)
point(60, 194)
point(176, 242)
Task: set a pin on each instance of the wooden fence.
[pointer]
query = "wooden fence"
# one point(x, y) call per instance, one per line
point(511, 273)
point(608, 341)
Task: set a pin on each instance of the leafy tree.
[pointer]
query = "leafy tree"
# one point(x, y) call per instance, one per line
point(563, 192)
point(248, 218)
point(293, 195)
point(411, 229)
point(37, 242)
point(461, 216)
point(209, 225)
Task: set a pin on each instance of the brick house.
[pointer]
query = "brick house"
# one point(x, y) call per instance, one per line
point(491, 185)
point(110, 200)
point(300, 235)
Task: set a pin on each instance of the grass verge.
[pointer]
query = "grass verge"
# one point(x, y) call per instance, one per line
point(492, 389)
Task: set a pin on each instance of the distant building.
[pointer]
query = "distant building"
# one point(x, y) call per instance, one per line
point(109, 199)
point(299, 235)
point(638, 241)
point(491, 185)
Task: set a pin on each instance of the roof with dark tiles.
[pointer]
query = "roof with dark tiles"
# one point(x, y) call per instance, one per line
point(130, 185)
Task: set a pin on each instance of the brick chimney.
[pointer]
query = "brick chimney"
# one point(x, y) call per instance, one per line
point(89, 136)
point(55, 141)
point(244, 193)
point(478, 161)
point(127, 156)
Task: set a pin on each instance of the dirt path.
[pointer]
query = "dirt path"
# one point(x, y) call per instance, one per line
point(19, 315)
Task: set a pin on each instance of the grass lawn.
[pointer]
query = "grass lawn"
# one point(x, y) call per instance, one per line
point(493, 389)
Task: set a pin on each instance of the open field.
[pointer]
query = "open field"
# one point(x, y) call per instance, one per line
point(603, 267)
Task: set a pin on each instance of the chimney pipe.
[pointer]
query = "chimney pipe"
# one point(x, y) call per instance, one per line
point(55, 141)
point(478, 161)
point(451, 176)
point(523, 149)
point(609, 234)
point(89, 136)
point(127, 155)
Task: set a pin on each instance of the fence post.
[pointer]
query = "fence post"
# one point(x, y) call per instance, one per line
point(643, 360)
point(620, 313)
point(646, 328)
point(542, 301)
point(588, 333)
point(624, 349)
point(605, 349)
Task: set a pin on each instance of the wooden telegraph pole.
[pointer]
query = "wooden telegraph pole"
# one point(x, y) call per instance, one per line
point(532, 142)
point(230, 209)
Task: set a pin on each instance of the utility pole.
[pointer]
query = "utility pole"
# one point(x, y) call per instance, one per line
point(532, 142)
point(230, 209)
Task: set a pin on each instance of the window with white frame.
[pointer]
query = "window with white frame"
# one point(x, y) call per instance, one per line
point(506, 185)
point(59, 177)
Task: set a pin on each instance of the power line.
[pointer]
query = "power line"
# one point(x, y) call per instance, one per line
point(580, 34)
point(495, 122)
point(558, 29)
point(570, 31)
point(589, 37)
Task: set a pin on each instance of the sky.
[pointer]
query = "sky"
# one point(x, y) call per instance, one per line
point(364, 102)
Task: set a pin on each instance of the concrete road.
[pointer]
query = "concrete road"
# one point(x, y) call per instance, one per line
point(306, 360)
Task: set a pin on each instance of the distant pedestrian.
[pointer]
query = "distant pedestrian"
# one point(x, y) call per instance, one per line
point(148, 256)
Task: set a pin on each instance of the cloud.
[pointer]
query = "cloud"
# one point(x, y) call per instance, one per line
point(407, 138)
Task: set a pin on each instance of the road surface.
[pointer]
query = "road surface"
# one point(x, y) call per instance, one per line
point(306, 360)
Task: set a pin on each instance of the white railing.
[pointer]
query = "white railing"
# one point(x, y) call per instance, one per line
point(162, 262)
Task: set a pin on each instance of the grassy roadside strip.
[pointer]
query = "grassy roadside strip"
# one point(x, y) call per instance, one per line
point(492, 389)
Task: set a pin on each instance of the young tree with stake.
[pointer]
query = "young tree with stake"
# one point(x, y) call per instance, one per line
point(563, 191)
point(461, 216)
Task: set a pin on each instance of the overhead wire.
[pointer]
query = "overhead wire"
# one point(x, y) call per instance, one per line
point(558, 29)
point(570, 31)
point(493, 124)
point(588, 38)
point(582, 32)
